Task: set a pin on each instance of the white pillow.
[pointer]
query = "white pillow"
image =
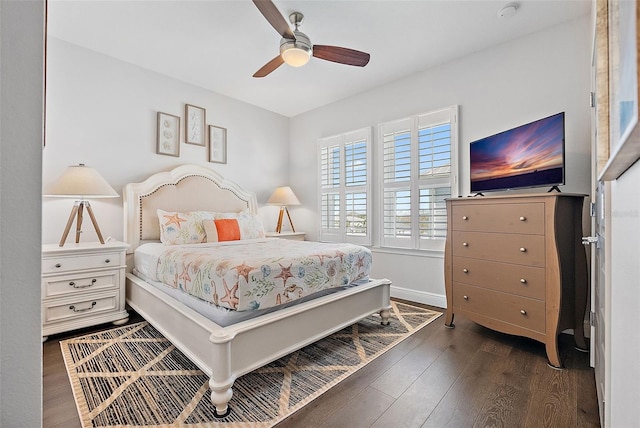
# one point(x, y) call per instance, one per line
point(183, 228)
point(210, 230)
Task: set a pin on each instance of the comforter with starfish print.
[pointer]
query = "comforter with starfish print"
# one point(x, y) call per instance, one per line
point(258, 274)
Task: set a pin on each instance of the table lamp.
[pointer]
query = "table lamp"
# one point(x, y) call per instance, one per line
point(80, 182)
point(283, 196)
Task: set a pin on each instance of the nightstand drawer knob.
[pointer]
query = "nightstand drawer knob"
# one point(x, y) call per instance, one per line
point(523, 218)
point(465, 270)
point(465, 244)
point(107, 261)
point(464, 217)
point(523, 312)
point(465, 297)
point(522, 280)
point(73, 308)
point(58, 265)
point(523, 250)
point(73, 284)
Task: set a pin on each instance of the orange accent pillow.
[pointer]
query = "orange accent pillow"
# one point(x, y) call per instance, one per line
point(228, 229)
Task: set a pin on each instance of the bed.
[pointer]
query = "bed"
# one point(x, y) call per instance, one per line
point(226, 352)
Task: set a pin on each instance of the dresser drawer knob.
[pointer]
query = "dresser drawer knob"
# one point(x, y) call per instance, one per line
point(58, 265)
point(73, 308)
point(523, 312)
point(465, 297)
point(523, 250)
point(465, 270)
point(465, 244)
point(522, 280)
point(107, 261)
point(73, 284)
point(523, 218)
point(464, 217)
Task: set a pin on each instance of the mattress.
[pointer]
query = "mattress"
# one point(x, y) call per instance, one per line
point(223, 316)
point(256, 274)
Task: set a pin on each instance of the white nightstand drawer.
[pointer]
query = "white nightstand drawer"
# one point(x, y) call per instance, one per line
point(60, 310)
point(77, 262)
point(70, 284)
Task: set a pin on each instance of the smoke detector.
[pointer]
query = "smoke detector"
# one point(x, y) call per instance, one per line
point(508, 11)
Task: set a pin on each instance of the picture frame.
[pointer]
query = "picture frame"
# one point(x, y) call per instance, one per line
point(217, 144)
point(195, 120)
point(624, 79)
point(168, 134)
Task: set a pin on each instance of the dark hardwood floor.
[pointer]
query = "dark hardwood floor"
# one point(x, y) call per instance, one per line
point(468, 376)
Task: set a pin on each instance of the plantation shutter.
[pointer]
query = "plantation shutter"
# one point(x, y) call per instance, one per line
point(418, 158)
point(434, 147)
point(396, 184)
point(345, 187)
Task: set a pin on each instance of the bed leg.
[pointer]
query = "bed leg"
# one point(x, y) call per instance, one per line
point(385, 314)
point(220, 397)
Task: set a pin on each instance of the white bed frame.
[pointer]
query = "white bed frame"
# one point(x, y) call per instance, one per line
point(225, 353)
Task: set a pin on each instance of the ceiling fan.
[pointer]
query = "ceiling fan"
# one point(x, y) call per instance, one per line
point(296, 48)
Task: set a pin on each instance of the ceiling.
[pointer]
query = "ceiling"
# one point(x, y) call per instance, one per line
point(218, 45)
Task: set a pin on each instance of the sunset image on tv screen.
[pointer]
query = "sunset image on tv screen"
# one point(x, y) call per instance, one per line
point(527, 156)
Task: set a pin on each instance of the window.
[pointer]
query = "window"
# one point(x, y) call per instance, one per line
point(345, 187)
point(418, 166)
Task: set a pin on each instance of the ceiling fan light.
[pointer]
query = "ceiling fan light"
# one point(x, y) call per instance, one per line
point(296, 57)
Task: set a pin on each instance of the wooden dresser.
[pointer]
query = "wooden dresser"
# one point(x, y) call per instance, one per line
point(516, 264)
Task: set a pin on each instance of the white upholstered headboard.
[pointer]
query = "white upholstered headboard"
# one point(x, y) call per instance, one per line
point(183, 189)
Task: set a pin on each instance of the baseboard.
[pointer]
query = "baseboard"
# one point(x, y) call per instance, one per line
point(438, 300)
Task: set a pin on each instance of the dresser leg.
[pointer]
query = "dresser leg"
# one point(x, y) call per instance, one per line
point(553, 355)
point(448, 320)
point(578, 335)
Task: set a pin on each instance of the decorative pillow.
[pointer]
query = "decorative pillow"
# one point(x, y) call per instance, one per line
point(210, 230)
point(251, 226)
point(183, 228)
point(228, 229)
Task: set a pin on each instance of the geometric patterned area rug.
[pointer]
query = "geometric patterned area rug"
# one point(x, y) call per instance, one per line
point(132, 376)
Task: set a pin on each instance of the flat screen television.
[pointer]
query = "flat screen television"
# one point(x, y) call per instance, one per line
point(531, 155)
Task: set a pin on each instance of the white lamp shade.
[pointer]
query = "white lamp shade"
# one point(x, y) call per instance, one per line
point(283, 196)
point(81, 182)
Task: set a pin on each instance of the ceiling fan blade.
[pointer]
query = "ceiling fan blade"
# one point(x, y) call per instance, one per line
point(341, 55)
point(269, 67)
point(275, 18)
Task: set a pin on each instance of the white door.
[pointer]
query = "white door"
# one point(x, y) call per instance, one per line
point(600, 226)
point(599, 296)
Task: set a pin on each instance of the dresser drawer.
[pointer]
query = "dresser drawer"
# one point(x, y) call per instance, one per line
point(526, 218)
point(517, 310)
point(61, 285)
point(500, 247)
point(522, 280)
point(77, 262)
point(60, 310)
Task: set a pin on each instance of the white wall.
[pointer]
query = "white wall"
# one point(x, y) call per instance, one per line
point(496, 89)
point(625, 297)
point(21, 96)
point(102, 112)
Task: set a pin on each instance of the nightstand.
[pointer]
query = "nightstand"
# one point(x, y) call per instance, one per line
point(82, 285)
point(294, 236)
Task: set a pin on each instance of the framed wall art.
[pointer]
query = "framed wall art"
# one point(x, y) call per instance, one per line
point(168, 135)
point(624, 75)
point(217, 144)
point(194, 129)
